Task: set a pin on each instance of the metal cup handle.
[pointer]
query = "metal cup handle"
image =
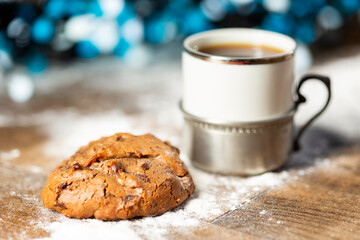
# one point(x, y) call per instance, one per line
point(301, 99)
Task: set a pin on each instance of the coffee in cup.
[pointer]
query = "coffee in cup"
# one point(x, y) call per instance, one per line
point(239, 100)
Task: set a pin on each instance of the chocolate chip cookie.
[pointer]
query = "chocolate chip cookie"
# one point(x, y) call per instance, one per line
point(119, 177)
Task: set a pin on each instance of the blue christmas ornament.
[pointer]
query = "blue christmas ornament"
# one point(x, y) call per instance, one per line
point(215, 10)
point(347, 6)
point(305, 32)
point(94, 8)
point(133, 31)
point(36, 62)
point(43, 30)
point(105, 35)
point(282, 23)
point(19, 30)
point(86, 50)
point(76, 7)
point(122, 47)
point(127, 13)
point(299, 8)
point(161, 28)
point(193, 21)
point(329, 18)
point(177, 6)
point(277, 6)
point(110, 8)
point(55, 9)
point(302, 8)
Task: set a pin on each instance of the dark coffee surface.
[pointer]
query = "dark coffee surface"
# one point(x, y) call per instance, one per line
point(241, 50)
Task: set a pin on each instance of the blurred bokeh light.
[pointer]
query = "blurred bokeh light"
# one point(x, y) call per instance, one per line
point(34, 34)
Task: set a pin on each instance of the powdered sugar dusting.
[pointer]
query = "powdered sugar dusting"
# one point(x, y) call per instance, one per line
point(156, 227)
point(90, 229)
point(215, 195)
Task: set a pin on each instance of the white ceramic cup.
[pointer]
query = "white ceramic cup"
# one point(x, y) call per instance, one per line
point(241, 89)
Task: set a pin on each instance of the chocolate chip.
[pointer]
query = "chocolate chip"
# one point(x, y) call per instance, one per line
point(95, 159)
point(60, 204)
point(139, 155)
point(76, 166)
point(134, 155)
point(144, 177)
point(64, 186)
point(145, 166)
point(120, 138)
point(129, 198)
point(105, 195)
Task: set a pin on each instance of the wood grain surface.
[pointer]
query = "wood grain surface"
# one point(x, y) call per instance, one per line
point(321, 204)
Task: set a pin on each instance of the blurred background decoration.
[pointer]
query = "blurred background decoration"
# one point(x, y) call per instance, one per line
point(34, 34)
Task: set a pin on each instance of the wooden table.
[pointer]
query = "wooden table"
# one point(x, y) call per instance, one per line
point(316, 195)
